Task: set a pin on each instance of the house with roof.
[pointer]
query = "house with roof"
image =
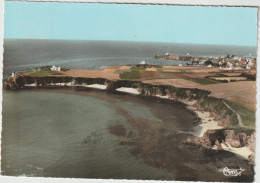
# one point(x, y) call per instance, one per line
point(55, 68)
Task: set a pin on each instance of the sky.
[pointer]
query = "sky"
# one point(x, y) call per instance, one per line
point(155, 23)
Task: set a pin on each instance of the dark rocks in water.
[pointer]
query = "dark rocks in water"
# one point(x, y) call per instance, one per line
point(208, 139)
point(118, 130)
point(218, 144)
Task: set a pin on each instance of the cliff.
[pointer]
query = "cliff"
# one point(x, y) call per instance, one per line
point(214, 105)
point(236, 137)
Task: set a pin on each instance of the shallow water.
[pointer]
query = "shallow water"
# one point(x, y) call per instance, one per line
point(64, 133)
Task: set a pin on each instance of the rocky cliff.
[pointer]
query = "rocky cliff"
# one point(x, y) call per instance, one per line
point(236, 137)
point(214, 105)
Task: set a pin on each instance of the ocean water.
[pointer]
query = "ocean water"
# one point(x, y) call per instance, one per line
point(43, 138)
point(23, 54)
point(66, 132)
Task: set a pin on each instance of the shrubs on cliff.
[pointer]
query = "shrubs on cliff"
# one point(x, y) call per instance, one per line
point(19, 82)
point(90, 81)
point(149, 90)
point(48, 80)
point(220, 109)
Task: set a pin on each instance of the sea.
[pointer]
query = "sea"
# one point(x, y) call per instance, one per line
point(67, 132)
point(20, 54)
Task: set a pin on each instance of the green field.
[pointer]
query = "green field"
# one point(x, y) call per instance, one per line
point(133, 74)
point(170, 75)
point(203, 81)
point(42, 72)
point(27, 72)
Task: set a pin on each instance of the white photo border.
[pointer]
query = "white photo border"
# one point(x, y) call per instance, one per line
point(228, 3)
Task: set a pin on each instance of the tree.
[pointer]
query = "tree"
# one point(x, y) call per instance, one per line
point(208, 62)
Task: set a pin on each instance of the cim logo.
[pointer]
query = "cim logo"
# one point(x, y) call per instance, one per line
point(232, 172)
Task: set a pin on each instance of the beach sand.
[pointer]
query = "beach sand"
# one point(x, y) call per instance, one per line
point(128, 90)
point(208, 123)
point(241, 151)
point(97, 86)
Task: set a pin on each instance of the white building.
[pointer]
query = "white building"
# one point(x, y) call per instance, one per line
point(55, 68)
point(143, 62)
point(13, 74)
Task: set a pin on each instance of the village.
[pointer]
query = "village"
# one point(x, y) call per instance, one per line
point(228, 62)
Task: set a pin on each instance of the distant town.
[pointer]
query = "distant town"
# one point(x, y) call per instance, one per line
point(228, 62)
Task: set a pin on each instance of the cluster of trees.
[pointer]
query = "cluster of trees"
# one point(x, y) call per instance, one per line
point(230, 56)
point(209, 62)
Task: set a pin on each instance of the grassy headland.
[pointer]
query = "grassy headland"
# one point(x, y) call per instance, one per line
point(176, 77)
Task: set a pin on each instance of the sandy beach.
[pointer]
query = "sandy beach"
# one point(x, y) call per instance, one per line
point(128, 90)
point(243, 152)
point(209, 123)
point(97, 86)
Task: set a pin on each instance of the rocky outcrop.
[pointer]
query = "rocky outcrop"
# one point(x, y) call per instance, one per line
point(214, 138)
point(209, 139)
point(251, 146)
point(235, 140)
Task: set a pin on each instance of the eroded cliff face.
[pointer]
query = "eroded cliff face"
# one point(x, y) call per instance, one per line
point(45, 82)
point(218, 109)
point(251, 145)
point(227, 137)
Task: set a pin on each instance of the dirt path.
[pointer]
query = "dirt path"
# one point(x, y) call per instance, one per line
point(240, 122)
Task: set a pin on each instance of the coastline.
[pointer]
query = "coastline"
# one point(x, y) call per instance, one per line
point(207, 121)
point(158, 143)
point(196, 100)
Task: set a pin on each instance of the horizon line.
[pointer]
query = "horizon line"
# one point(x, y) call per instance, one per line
point(129, 41)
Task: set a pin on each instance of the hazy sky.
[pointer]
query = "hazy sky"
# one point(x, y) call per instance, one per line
point(157, 23)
